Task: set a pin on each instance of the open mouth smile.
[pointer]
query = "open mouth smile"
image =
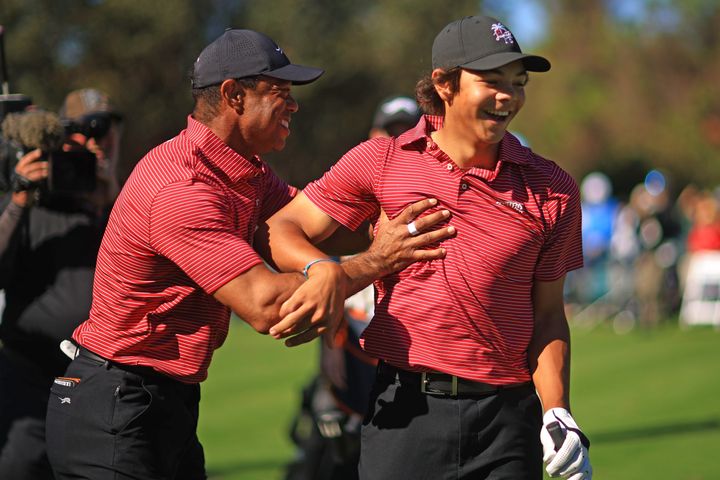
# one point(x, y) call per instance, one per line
point(498, 115)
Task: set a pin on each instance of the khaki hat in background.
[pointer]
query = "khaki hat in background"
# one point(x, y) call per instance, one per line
point(84, 102)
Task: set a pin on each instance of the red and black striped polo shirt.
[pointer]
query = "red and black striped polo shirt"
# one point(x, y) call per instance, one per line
point(469, 314)
point(181, 228)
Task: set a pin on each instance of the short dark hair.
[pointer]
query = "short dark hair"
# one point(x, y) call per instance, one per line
point(207, 99)
point(426, 95)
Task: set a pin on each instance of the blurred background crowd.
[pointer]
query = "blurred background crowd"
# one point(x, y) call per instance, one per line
point(631, 108)
point(650, 256)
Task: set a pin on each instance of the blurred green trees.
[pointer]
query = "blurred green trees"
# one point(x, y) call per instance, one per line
point(624, 95)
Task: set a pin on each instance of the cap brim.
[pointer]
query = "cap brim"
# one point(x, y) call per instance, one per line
point(297, 74)
point(533, 63)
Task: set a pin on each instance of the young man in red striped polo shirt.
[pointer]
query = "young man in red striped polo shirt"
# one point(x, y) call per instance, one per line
point(468, 342)
point(178, 255)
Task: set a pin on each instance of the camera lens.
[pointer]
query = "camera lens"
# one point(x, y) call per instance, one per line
point(96, 125)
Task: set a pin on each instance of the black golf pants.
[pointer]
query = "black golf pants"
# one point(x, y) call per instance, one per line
point(106, 421)
point(410, 434)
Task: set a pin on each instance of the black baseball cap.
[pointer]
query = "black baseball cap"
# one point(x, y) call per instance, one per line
point(396, 109)
point(246, 53)
point(481, 43)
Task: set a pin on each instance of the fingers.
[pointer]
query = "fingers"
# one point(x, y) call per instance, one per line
point(585, 472)
point(31, 168)
point(294, 319)
point(569, 458)
point(415, 209)
point(425, 255)
point(434, 236)
point(29, 158)
point(574, 464)
point(304, 337)
point(431, 219)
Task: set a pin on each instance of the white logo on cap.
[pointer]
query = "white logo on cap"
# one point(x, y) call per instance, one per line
point(502, 33)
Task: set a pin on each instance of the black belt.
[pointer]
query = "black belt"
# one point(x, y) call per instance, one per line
point(84, 352)
point(137, 369)
point(436, 383)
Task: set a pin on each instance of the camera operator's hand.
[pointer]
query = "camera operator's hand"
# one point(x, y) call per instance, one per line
point(29, 172)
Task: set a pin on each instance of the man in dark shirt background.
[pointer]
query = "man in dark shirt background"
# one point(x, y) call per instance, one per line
point(49, 238)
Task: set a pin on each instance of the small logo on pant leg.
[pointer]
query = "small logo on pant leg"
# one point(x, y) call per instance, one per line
point(64, 400)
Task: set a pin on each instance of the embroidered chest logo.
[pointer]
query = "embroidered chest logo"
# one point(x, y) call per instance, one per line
point(514, 205)
point(64, 400)
point(501, 33)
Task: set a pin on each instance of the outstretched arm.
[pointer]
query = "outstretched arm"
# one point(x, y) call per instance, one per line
point(257, 294)
point(292, 233)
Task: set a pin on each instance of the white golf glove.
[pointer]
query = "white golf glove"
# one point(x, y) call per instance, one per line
point(570, 460)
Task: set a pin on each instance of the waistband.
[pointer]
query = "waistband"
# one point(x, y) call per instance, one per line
point(443, 384)
point(143, 371)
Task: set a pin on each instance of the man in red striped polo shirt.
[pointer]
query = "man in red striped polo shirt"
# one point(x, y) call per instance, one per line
point(467, 342)
point(178, 256)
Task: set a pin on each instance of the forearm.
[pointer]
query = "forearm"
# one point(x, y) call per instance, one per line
point(257, 295)
point(269, 297)
point(289, 237)
point(549, 360)
point(362, 269)
point(295, 250)
point(347, 242)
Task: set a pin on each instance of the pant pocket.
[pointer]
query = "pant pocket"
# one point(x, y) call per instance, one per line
point(130, 400)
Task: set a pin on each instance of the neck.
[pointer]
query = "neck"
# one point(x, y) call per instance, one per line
point(465, 151)
point(230, 134)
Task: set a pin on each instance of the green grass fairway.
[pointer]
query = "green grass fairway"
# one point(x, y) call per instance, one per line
point(649, 401)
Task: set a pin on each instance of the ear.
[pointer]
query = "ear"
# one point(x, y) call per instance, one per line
point(443, 88)
point(231, 93)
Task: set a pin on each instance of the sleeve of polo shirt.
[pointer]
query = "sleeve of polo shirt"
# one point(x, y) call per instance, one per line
point(276, 195)
point(562, 251)
point(346, 192)
point(194, 226)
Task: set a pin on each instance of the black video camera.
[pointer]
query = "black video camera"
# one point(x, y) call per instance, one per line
point(71, 171)
point(23, 130)
point(93, 125)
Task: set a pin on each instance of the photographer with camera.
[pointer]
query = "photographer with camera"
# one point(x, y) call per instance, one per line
point(58, 174)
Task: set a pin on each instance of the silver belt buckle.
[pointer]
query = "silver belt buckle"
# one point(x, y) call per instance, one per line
point(424, 381)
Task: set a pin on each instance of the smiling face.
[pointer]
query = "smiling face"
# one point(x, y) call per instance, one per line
point(265, 120)
point(486, 102)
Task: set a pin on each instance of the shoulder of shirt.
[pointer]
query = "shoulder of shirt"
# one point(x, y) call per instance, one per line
point(371, 148)
point(554, 175)
point(169, 163)
point(178, 155)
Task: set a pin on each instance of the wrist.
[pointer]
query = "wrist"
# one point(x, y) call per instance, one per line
point(317, 265)
point(553, 414)
point(21, 199)
point(375, 265)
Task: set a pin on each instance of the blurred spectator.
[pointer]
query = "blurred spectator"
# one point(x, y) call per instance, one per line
point(701, 292)
point(599, 213)
point(658, 231)
point(704, 232)
point(48, 245)
point(327, 429)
